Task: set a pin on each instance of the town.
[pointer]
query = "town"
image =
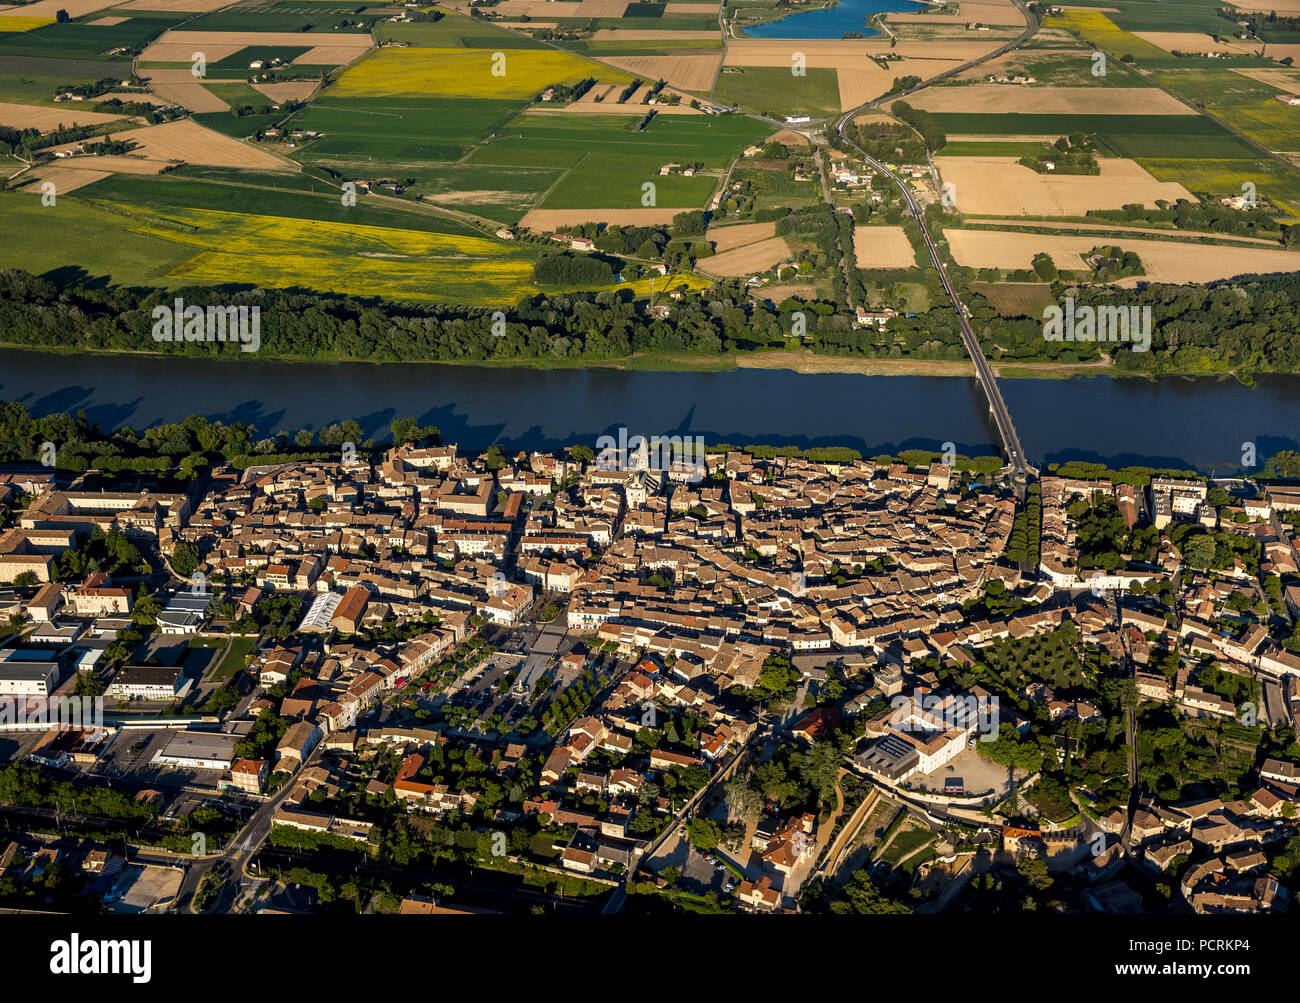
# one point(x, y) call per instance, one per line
point(406, 678)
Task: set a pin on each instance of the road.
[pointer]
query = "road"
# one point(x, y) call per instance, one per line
point(616, 901)
point(983, 371)
point(240, 851)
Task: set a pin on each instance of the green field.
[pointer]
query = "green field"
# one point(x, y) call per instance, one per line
point(1242, 103)
point(454, 31)
point(33, 80)
point(83, 40)
point(369, 133)
point(74, 239)
point(1272, 181)
point(776, 90)
point(1163, 15)
point(1189, 136)
point(267, 195)
point(614, 180)
point(253, 53)
point(974, 148)
point(542, 140)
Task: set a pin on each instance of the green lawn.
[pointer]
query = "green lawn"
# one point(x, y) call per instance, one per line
point(232, 661)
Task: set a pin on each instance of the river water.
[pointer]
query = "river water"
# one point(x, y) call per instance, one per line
point(832, 22)
point(1175, 422)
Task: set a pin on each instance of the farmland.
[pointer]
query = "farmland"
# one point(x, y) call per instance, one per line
point(465, 73)
point(473, 145)
point(1163, 260)
point(997, 185)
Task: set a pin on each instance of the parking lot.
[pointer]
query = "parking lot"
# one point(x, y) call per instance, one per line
point(979, 775)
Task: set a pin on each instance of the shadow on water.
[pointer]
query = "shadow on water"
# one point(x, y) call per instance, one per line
point(1173, 423)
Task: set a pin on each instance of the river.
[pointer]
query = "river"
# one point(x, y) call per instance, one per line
point(1200, 423)
point(832, 22)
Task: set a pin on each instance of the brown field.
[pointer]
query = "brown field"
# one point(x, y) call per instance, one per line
point(984, 13)
point(119, 165)
point(26, 116)
point(747, 260)
point(183, 52)
point(291, 90)
point(1265, 6)
point(177, 46)
point(193, 96)
point(49, 8)
point(1163, 260)
point(180, 6)
point(998, 186)
point(1190, 41)
point(602, 91)
point(689, 9)
point(1286, 80)
point(1012, 99)
point(1016, 299)
point(689, 71)
point(1115, 228)
point(788, 137)
point(186, 141)
point(647, 34)
point(65, 179)
point(882, 247)
point(329, 55)
point(726, 238)
point(549, 220)
point(107, 22)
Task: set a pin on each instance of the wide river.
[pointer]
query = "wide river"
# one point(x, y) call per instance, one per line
point(1177, 422)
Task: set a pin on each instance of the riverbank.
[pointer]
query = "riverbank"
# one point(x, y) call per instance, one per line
point(800, 361)
point(877, 407)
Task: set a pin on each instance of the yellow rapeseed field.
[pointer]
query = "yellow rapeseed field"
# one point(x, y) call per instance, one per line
point(24, 23)
point(1105, 34)
point(338, 257)
point(467, 73)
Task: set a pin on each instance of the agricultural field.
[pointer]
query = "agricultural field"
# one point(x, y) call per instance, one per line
point(1162, 260)
point(1001, 186)
point(775, 90)
point(882, 247)
point(468, 141)
point(466, 73)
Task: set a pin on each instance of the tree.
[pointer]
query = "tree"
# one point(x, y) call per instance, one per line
point(185, 557)
point(742, 800)
point(1199, 551)
point(704, 833)
point(1034, 871)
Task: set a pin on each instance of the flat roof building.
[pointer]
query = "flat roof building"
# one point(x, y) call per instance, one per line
point(199, 750)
